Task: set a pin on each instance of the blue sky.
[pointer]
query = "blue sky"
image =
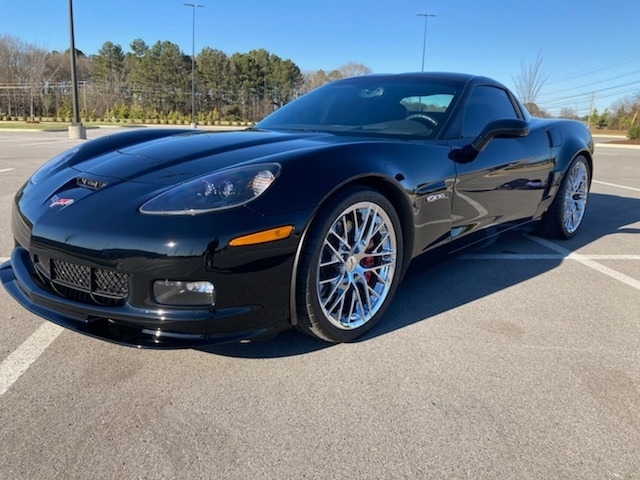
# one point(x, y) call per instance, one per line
point(587, 46)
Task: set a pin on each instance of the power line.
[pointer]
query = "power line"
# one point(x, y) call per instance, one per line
point(588, 71)
point(583, 95)
point(590, 84)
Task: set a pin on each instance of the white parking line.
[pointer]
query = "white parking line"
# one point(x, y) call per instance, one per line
point(4, 170)
point(12, 367)
point(617, 186)
point(37, 144)
point(583, 259)
point(544, 256)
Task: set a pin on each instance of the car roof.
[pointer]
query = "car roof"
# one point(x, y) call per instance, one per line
point(448, 76)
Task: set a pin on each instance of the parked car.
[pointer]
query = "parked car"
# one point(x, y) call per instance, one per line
point(309, 219)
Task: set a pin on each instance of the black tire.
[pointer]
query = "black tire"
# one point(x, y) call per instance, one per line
point(349, 271)
point(564, 217)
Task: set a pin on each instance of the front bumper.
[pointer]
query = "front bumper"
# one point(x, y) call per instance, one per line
point(129, 325)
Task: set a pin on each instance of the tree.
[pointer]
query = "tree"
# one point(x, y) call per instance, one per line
point(594, 117)
point(531, 79)
point(214, 78)
point(263, 82)
point(22, 69)
point(35, 61)
point(353, 69)
point(535, 110)
point(603, 120)
point(624, 112)
point(10, 66)
point(153, 82)
point(318, 78)
point(109, 75)
point(160, 76)
point(285, 80)
point(568, 113)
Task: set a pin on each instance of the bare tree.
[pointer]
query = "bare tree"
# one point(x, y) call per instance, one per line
point(567, 112)
point(353, 69)
point(35, 64)
point(9, 72)
point(21, 73)
point(531, 79)
point(318, 78)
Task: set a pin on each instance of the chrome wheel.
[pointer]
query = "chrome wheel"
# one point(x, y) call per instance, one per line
point(357, 265)
point(349, 266)
point(566, 212)
point(575, 196)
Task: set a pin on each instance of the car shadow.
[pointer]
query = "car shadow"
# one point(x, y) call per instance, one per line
point(435, 283)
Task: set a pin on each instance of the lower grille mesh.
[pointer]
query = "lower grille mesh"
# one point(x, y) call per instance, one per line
point(83, 284)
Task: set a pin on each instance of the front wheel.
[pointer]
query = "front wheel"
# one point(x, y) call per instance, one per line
point(566, 213)
point(350, 266)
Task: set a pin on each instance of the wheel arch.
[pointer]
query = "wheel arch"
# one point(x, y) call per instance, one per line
point(391, 192)
point(575, 140)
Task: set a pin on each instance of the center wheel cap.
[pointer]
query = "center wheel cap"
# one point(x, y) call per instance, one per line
point(351, 263)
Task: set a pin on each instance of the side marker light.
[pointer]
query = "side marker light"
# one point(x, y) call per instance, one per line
point(265, 236)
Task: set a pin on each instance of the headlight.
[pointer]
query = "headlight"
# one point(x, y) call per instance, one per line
point(48, 168)
point(215, 191)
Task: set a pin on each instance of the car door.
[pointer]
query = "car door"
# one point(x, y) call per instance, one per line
point(505, 182)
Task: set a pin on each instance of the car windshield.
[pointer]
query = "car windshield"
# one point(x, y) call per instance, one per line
point(369, 105)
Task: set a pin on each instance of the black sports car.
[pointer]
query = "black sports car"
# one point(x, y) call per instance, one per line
point(309, 219)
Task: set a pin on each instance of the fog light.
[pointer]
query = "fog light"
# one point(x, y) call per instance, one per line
point(168, 292)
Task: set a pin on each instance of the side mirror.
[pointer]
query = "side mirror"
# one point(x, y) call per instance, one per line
point(505, 128)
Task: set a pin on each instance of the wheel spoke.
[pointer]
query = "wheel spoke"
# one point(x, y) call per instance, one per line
point(333, 261)
point(339, 276)
point(335, 252)
point(382, 254)
point(351, 308)
point(369, 224)
point(340, 239)
point(357, 265)
point(360, 303)
point(337, 299)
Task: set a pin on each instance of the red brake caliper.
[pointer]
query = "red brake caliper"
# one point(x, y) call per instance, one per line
point(368, 262)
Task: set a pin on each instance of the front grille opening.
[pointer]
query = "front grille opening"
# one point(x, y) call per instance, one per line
point(79, 283)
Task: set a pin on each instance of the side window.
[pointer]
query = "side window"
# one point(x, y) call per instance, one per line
point(484, 105)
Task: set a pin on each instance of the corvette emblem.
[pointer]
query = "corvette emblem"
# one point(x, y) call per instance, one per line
point(88, 183)
point(60, 202)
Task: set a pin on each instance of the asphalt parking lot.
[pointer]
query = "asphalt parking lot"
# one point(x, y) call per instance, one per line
point(517, 360)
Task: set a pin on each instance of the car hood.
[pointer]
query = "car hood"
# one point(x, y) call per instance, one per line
point(177, 158)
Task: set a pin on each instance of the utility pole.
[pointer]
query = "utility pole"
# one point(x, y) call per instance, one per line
point(193, 61)
point(590, 111)
point(76, 130)
point(424, 41)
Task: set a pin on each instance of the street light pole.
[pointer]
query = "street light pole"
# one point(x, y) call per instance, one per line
point(424, 41)
point(193, 61)
point(76, 130)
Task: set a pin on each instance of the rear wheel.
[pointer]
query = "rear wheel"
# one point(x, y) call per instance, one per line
point(566, 213)
point(349, 269)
